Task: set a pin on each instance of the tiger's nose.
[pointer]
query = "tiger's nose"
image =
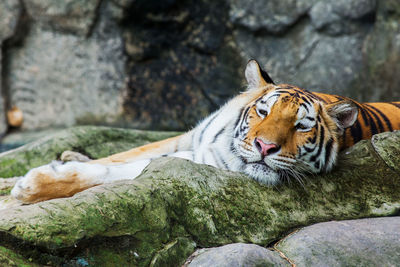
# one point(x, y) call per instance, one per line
point(265, 149)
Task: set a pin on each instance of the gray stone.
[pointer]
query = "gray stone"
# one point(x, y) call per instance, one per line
point(3, 119)
point(366, 242)
point(323, 17)
point(73, 16)
point(299, 62)
point(234, 255)
point(379, 79)
point(184, 63)
point(272, 16)
point(354, 9)
point(186, 58)
point(10, 11)
point(72, 80)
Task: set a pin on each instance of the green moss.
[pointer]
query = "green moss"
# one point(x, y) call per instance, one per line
point(174, 203)
point(10, 258)
point(4, 192)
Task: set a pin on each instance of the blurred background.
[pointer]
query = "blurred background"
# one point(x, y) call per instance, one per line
point(163, 65)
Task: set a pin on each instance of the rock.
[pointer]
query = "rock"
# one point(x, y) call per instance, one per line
point(237, 254)
point(70, 16)
point(184, 63)
point(167, 64)
point(80, 80)
point(176, 205)
point(354, 9)
point(383, 145)
point(366, 242)
point(10, 258)
point(94, 142)
point(10, 12)
point(381, 54)
point(273, 16)
point(3, 120)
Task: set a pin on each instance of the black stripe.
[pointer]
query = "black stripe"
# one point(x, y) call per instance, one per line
point(237, 122)
point(305, 106)
point(328, 149)
point(218, 134)
point(309, 150)
point(244, 116)
point(387, 121)
point(240, 115)
point(312, 140)
point(371, 122)
point(316, 164)
point(266, 77)
point(321, 143)
point(206, 126)
point(364, 116)
point(305, 100)
point(310, 118)
point(380, 125)
point(274, 95)
point(356, 132)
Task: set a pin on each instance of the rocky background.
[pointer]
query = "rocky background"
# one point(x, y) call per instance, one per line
point(165, 64)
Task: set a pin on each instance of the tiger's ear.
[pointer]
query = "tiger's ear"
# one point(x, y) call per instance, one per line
point(255, 76)
point(344, 112)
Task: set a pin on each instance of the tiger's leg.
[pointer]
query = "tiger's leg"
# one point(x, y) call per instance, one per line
point(57, 180)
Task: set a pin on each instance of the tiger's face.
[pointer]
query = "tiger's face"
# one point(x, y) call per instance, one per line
point(286, 131)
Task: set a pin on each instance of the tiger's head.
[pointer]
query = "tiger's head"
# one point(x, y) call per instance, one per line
point(285, 131)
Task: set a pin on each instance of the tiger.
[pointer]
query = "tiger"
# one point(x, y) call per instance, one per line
point(269, 132)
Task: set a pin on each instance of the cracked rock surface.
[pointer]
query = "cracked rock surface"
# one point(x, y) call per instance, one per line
point(176, 206)
point(165, 65)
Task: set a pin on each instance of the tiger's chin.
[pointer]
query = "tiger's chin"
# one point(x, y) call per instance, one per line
point(262, 173)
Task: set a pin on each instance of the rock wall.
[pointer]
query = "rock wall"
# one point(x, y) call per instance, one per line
point(164, 65)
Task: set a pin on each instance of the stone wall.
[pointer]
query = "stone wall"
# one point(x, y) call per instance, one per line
point(166, 64)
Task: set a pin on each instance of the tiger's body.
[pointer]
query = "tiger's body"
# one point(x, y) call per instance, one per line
point(270, 132)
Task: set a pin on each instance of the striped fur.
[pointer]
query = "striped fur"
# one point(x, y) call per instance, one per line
point(270, 132)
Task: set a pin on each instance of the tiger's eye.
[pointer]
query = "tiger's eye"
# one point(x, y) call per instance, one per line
point(300, 126)
point(263, 112)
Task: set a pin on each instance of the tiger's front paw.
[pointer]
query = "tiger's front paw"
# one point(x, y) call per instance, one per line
point(34, 186)
point(50, 181)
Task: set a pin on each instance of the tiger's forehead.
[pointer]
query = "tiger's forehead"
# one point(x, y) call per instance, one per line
point(302, 102)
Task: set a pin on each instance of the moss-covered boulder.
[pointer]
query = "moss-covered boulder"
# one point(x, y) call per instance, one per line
point(175, 206)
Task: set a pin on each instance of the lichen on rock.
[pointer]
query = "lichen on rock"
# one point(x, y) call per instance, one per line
point(176, 205)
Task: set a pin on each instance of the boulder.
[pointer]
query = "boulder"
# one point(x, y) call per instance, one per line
point(365, 242)
point(175, 205)
point(71, 16)
point(233, 255)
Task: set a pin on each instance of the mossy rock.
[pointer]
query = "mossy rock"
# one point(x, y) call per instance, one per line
point(176, 205)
